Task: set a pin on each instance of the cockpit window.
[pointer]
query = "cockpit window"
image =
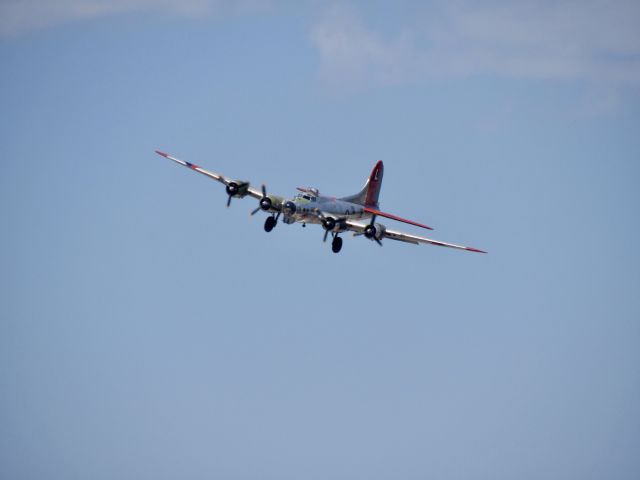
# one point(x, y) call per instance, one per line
point(305, 196)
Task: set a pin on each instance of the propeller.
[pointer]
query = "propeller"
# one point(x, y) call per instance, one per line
point(265, 202)
point(232, 190)
point(370, 231)
point(328, 223)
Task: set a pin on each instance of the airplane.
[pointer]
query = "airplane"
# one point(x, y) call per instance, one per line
point(336, 215)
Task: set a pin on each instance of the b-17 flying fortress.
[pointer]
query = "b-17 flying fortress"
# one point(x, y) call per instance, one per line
point(354, 213)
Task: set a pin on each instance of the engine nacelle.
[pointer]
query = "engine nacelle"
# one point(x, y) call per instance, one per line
point(237, 188)
point(375, 231)
point(271, 203)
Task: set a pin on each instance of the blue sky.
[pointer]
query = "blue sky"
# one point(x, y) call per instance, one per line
point(148, 332)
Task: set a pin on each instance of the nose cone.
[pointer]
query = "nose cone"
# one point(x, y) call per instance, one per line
point(289, 208)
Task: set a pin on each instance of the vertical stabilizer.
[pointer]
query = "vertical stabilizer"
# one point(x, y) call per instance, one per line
point(370, 193)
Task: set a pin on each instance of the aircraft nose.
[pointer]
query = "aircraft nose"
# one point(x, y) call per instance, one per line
point(289, 208)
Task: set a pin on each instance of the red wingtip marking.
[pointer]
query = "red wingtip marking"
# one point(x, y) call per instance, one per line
point(475, 250)
point(162, 153)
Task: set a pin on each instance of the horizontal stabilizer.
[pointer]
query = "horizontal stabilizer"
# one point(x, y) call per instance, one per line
point(373, 211)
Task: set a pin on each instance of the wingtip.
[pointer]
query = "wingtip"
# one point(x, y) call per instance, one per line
point(471, 249)
point(166, 155)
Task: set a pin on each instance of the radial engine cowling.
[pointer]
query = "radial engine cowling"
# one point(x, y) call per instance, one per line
point(266, 204)
point(329, 223)
point(289, 208)
point(375, 231)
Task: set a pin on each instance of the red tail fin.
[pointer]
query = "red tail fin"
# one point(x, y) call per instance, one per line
point(370, 193)
point(375, 182)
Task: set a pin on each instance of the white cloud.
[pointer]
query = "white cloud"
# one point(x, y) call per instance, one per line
point(351, 53)
point(19, 16)
point(590, 40)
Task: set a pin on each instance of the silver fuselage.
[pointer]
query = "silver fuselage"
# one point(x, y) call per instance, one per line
point(307, 208)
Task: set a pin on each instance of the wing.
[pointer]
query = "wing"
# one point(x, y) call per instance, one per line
point(256, 193)
point(405, 237)
point(408, 238)
point(373, 211)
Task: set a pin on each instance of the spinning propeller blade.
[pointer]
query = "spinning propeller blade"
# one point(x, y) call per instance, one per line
point(264, 195)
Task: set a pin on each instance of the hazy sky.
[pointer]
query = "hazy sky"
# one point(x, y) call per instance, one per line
point(147, 332)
